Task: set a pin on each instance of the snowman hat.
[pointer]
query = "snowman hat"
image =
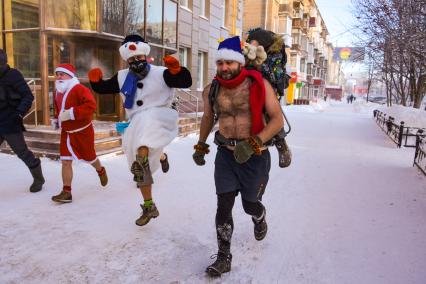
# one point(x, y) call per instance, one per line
point(230, 49)
point(67, 69)
point(133, 45)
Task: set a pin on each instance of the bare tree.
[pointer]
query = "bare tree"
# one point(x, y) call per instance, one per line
point(394, 33)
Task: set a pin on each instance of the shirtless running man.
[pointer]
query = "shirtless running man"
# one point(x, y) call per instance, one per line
point(242, 161)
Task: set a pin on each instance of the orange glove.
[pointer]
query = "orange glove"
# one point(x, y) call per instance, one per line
point(172, 64)
point(95, 75)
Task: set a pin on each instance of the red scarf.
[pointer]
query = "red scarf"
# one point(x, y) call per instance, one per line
point(257, 95)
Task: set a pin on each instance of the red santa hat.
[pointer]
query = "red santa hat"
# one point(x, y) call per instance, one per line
point(66, 68)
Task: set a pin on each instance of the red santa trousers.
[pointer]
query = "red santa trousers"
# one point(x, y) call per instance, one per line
point(78, 144)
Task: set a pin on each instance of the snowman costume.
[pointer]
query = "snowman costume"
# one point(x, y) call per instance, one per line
point(147, 101)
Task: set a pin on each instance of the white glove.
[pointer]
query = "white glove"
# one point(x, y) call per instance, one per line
point(66, 115)
point(54, 123)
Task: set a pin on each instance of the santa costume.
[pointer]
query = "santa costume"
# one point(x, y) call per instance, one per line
point(147, 100)
point(77, 134)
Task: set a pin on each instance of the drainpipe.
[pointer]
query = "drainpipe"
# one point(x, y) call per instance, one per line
point(266, 13)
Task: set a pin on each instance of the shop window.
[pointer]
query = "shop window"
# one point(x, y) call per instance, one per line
point(170, 23)
point(106, 61)
point(71, 14)
point(59, 50)
point(23, 50)
point(24, 14)
point(155, 57)
point(154, 25)
point(135, 17)
point(83, 58)
point(113, 16)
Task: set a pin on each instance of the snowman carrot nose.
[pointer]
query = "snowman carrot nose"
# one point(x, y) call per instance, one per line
point(132, 47)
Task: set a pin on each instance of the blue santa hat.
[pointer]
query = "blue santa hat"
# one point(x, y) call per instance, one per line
point(230, 49)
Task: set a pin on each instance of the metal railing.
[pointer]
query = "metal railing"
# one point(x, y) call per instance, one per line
point(186, 103)
point(32, 83)
point(420, 155)
point(399, 133)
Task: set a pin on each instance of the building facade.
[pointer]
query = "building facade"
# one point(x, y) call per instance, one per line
point(39, 34)
point(305, 34)
point(202, 24)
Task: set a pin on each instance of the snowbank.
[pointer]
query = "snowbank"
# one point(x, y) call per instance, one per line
point(411, 116)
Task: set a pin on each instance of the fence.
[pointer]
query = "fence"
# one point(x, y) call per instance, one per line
point(187, 103)
point(420, 155)
point(399, 133)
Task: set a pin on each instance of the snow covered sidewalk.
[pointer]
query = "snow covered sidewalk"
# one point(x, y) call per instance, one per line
point(350, 209)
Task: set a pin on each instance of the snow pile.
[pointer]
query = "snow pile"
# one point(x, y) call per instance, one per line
point(412, 117)
point(361, 106)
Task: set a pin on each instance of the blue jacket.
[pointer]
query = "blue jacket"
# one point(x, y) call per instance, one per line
point(16, 99)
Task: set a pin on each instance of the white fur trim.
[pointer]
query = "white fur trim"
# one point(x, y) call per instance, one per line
point(72, 113)
point(229, 54)
point(142, 48)
point(66, 158)
point(64, 70)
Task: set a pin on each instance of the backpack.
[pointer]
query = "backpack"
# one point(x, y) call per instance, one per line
point(274, 70)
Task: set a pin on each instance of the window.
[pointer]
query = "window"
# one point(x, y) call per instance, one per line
point(72, 14)
point(24, 53)
point(154, 18)
point(201, 68)
point(156, 55)
point(302, 65)
point(186, 3)
point(24, 14)
point(293, 61)
point(170, 23)
point(135, 17)
point(224, 12)
point(204, 8)
point(184, 54)
point(83, 60)
point(113, 16)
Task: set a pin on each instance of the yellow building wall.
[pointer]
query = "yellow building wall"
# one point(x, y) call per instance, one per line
point(290, 93)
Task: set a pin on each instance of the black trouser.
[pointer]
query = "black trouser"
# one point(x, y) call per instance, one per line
point(16, 141)
point(224, 221)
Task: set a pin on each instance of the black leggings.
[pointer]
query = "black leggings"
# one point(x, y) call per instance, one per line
point(16, 141)
point(225, 203)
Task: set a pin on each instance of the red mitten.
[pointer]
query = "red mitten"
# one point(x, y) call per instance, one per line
point(95, 75)
point(172, 64)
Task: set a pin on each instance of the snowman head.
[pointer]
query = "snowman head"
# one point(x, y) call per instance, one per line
point(133, 45)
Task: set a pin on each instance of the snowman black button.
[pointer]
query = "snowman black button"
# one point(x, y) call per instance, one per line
point(139, 102)
point(139, 85)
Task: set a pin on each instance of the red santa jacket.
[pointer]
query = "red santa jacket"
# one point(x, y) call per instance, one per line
point(83, 103)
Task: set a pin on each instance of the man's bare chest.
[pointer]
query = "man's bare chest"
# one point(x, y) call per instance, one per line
point(234, 102)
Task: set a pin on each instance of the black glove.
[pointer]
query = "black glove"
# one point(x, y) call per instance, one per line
point(201, 149)
point(245, 149)
point(18, 119)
